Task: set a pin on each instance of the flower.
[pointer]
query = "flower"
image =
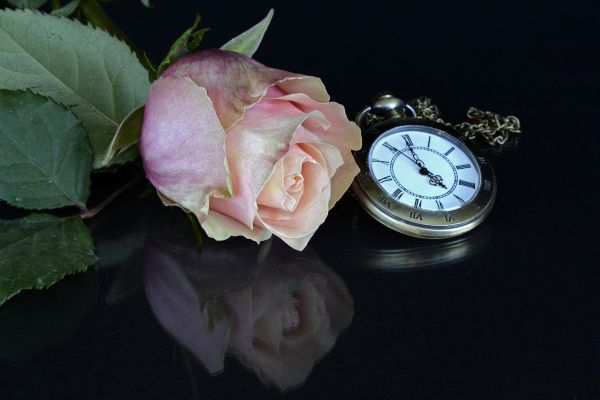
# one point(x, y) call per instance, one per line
point(249, 150)
point(277, 313)
point(288, 320)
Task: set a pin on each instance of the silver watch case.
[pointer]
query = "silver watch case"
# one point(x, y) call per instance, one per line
point(417, 222)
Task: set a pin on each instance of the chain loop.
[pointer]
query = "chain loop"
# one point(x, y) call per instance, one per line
point(491, 127)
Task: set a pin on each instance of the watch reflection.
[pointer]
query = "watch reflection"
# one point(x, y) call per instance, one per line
point(370, 245)
point(275, 310)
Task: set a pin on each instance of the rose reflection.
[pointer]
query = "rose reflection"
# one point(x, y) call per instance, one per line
point(276, 310)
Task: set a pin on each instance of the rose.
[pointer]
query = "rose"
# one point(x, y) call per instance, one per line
point(288, 320)
point(250, 150)
point(278, 314)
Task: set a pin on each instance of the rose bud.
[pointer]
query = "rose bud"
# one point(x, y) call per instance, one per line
point(249, 150)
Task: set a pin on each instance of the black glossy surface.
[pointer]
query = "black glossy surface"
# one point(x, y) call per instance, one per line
point(510, 311)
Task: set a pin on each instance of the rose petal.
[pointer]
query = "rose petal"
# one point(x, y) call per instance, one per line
point(313, 311)
point(175, 304)
point(333, 129)
point(268, 327)
point(341, 133)
point(235, 82)
point(253, 147)
point(242, 322)
point(316, 181)
point(221, 227)
point(324, 154)
point(298, 227)
point(275, 192)
point(343, 177)
point(180, 124)
point(308, 85)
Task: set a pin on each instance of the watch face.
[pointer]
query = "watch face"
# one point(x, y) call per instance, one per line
point(424, 168)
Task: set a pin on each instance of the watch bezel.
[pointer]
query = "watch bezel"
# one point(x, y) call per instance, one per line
point(418, 222)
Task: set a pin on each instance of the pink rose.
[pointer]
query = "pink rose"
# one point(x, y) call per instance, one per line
point(250, 150)
point(288, 320)
point(276, 312)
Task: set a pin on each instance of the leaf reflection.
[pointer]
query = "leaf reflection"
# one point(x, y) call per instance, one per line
point(275, 310)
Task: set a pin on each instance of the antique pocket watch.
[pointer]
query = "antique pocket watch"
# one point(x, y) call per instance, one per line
point(418, 176)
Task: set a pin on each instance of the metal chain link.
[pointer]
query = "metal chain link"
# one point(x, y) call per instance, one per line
point(491, 127)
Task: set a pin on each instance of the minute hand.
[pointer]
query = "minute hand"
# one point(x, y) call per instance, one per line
point(417, 161)
point(415, 158)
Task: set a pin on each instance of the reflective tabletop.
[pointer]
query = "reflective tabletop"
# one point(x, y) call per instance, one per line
point(510, 310)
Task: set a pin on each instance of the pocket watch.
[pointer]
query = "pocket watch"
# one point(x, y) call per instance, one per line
point(418, 176)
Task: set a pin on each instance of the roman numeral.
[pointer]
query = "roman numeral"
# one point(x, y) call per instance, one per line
point(397, 193)
point(381, 161)
point(439, 204)
point(385, 200)
point(408, 140)
point(385, 179)
point(390, 147)
point(450, 150)
point(449, 218)
point(463, 166)
point(467, 184)
point(459, 199)
point(429, 142)
point(418, 203)
point(416, 215)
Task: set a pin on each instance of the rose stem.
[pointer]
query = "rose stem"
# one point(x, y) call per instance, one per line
point(92, 212)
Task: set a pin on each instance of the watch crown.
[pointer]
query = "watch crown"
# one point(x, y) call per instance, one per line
point(386, 104)
point(381, 95)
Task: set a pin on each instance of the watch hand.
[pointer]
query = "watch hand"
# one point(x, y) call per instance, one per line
point(410, 147)
point(417, 161)
point(436, 180)
point(415, 158)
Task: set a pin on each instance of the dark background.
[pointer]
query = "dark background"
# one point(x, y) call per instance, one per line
point(516, 319)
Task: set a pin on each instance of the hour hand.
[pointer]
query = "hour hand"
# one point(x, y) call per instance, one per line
point(436, 180)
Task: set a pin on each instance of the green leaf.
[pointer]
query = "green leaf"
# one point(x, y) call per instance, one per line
point(146, 3)
point(188, 42)
point(38, 250)
point(247, 43)
point(27, 3)
point(67, 9)
point(45, 155)
point(127, 136)
point(78, 66)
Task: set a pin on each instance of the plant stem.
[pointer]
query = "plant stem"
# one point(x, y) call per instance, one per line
point(96, 16)
point(92, 212)
point(55, 4)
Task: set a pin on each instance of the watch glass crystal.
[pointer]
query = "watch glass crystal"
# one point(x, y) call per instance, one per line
point(424, 168)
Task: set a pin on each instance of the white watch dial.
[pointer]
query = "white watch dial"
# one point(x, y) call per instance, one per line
point(424, 168)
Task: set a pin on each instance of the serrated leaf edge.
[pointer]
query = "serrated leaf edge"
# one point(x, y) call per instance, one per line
point(61, 277)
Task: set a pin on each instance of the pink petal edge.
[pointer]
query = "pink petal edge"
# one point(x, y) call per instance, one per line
point(180, 123)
